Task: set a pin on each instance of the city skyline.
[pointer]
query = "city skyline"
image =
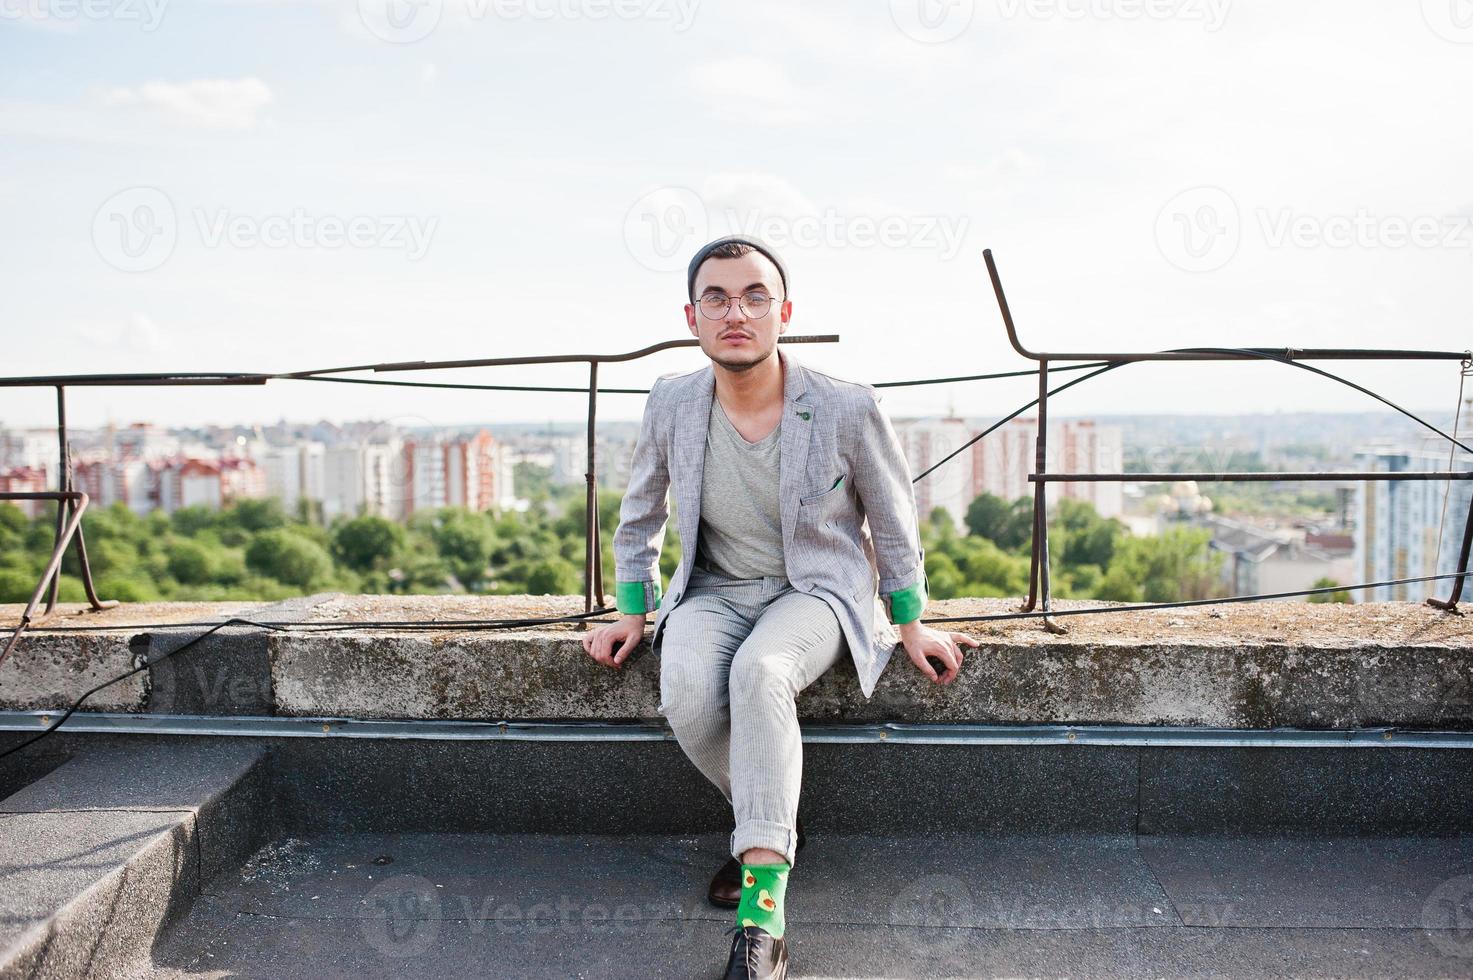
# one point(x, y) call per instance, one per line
point(42, 414)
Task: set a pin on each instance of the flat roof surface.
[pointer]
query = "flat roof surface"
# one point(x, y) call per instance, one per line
point(1078, 905)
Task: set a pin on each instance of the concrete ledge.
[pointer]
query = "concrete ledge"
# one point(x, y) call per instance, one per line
point(87, 893)
point(100, 855)
point(1246, 665)
point(50, 669)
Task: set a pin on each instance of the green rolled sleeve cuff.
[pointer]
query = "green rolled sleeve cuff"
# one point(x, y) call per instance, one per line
point(906, 605)
point(633, 598)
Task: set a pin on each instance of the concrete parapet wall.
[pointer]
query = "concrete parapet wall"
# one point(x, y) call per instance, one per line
point(1246, 665)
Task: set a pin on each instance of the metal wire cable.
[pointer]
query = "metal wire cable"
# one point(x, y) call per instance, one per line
point(1177, 603)
point(327, 627)
point(1026, 372)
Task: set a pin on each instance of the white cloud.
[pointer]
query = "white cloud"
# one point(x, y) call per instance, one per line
point(139, 334)
point(869, 42)
point(1009, 162)
point(223, 103)
point(744, 192)
point(750, 90)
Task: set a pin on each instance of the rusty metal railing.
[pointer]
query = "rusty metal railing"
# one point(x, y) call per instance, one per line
point(1038, 576)
point(73, 503)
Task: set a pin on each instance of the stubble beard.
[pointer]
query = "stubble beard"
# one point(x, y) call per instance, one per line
point(740, 367)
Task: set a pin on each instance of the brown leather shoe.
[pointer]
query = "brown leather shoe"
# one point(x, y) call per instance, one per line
point(756, 955)
point(726, 886)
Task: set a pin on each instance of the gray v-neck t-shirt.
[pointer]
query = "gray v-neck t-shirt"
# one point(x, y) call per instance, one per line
point(741, 529)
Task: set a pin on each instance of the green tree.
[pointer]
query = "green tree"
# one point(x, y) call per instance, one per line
point(1078, 535)
point(191, 561)
point(133, 587)
point(368, 542)
point(421, 570)
point(991, 571)
point(464, 539)
point(944, 579)
point(189, 521)
point(289, 557)
point(1175, 565)
point(1078, 582)
point(533, 481)
point(17, 585)
point(256, 514)
point(309, 512)
point(1325, 582)
point(13, 519)
point(554, 576)
point(1008, 524)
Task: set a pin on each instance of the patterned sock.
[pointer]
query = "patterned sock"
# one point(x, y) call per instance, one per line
point(763, 888)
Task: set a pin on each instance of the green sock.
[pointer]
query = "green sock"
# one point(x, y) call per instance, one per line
point(763, 887)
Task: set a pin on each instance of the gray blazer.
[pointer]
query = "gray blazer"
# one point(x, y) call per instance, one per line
point(849, 521)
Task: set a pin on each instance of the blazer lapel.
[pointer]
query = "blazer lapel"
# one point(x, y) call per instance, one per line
point(797, 426)
point(691, 425)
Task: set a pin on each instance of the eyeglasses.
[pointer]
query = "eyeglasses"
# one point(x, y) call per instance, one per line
point(754, 304)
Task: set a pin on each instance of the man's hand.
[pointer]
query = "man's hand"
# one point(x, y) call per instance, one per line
point(626, 632)
point(922, 642)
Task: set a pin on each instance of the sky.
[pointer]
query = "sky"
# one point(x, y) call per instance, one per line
point(281, 185)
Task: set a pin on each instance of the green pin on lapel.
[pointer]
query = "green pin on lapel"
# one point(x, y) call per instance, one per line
point(804, 416)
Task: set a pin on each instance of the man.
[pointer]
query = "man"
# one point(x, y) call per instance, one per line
point(799, 541)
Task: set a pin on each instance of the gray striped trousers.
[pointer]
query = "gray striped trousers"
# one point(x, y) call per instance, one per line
point(733, 656)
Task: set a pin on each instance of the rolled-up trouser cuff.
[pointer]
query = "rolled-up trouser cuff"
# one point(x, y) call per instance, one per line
point(764, 833)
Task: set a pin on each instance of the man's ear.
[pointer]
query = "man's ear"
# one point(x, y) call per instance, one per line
point(690, 319)
point(786, 311)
